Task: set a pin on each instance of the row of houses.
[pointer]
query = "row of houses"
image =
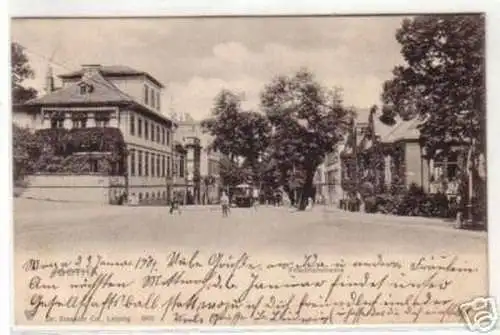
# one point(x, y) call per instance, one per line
point(167, 155)
point(390, 158)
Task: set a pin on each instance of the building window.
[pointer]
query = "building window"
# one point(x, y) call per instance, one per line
point(132, 124)
point(153, 100)
point(168, 138)
point(158, 171)
point(181, 167)
point(139, 127)
point(168, 166)
point(139, 163)
point(94, 166)
point(162, 135)
point(102, 122)
point(158, 100)
point(86, 88)
point(140, 195)
point(57, 123)
point(146, 164)
point(452, 166)
point(146, 195)
point(132, 162)
point(146, 129)
point(153, 165)
point(164, 195)
point(152, 132)
point(146, 94)
point(158, 134)
point(80, 122)
point(163, 165)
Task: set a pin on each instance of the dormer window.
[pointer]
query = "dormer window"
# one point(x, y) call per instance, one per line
point(153, 100)
point(86, 88)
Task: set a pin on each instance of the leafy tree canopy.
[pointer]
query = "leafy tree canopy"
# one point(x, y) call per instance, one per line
point(21, 70)
point(443, 79)
point(237, 133)
point(308, 121)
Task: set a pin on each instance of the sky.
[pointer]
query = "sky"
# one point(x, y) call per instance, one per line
point(197, 57)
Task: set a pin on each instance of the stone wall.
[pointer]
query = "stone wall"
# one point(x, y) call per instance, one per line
point(81, 188)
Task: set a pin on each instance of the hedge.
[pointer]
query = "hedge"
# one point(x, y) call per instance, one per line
point(59, 150)
point(415, 202)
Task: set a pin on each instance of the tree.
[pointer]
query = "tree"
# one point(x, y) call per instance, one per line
point(232, 173)
point(240, 135)
point(24, 146)
point(308, 121)
point(21, 70)
point(443, 79)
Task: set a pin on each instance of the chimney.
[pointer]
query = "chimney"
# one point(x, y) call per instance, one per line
point(49, 81)
point(90, 69)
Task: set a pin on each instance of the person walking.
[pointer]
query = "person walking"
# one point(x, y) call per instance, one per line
point(255, 197)
point(175, 205)
point(224, 201)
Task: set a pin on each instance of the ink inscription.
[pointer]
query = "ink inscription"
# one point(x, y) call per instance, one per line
point(223, 289)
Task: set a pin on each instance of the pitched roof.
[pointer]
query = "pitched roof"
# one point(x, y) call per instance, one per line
point(103, 92)
point(403, 130)
point(381, 129)
point(113, 71)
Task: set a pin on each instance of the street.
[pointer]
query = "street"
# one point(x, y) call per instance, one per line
point(63, 227)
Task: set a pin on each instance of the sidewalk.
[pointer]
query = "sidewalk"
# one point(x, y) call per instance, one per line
point(380, 218)
point(391, 217)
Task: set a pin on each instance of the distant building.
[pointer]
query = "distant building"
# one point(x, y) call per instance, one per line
point(327, 178)
point(119, 97)
point(202, 161)
point(391, 157)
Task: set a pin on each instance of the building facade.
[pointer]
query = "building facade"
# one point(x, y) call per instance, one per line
point(202, 162)
point(327, 178)
point(117, 97)
point(391, 158)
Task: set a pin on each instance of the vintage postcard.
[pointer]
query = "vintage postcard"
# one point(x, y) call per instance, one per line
point(250, 171)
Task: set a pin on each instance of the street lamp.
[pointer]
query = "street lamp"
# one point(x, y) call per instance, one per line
point(470, 165)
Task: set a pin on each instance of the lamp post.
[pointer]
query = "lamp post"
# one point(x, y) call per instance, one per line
point(470, 168)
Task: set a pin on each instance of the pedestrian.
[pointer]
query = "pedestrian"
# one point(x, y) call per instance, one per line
point(255, 197)
point(175, 205)
point(224, 201)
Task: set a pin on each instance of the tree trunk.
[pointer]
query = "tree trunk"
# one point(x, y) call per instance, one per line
point(307, 190)
point(290, 193)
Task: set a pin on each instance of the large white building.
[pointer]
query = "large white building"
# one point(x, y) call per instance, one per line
point(118, 97)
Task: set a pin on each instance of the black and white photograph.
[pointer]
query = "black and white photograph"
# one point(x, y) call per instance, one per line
point(250, 171)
